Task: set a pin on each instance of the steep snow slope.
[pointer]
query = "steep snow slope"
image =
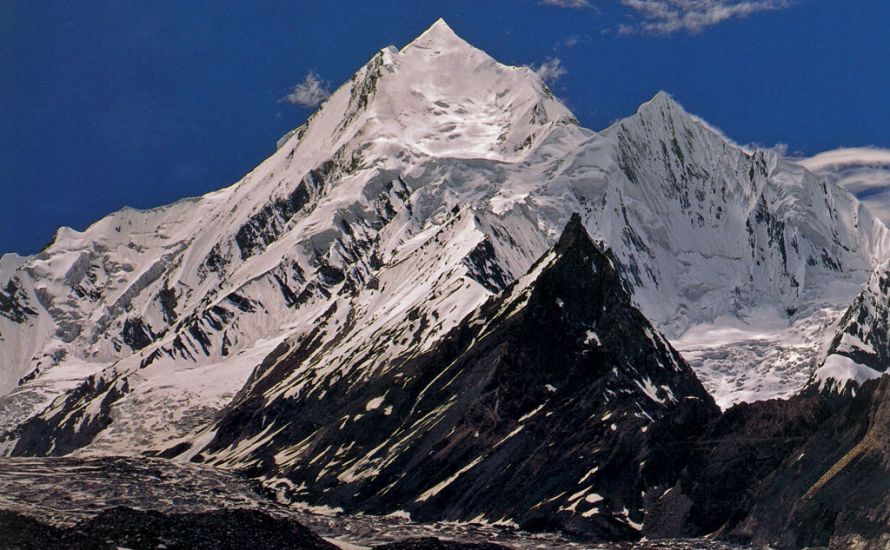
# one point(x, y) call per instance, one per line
point(430, 180)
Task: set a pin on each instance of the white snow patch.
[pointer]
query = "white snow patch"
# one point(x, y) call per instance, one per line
point(532, 413)
point(323, 510)
point(838, 370)
point(435, 489)
point(592, 471)
point(375, 403)
point(649, 389)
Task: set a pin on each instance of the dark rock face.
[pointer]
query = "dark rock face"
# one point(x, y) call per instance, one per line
point(802, 472)
point(20, 532)
point(554, 406)
point(74, 424)
point(137, 334)
point(128, 528)
point(14, 303)
point(483, 267)
point(718, 476)
point(834, 489)
point(863, 334)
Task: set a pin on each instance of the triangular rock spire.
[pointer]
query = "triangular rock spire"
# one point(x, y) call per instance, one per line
point(528, 387)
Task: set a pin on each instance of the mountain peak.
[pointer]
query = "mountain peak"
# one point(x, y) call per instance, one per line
point(662, 97)
point(443, 97)
point(440, 26)
point(662, 103)
point(573, 234)
point(439, 34)
point(661, 113)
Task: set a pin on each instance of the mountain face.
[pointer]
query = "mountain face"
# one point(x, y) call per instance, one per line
point(540, 409)
point(832, 490)
point(860, 348)
point(425, 185)
point(804, 472)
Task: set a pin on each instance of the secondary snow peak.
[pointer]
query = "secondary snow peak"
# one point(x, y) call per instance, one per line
point(663, 107)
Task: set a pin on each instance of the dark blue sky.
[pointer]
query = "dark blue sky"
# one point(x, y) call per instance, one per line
point(112, 103)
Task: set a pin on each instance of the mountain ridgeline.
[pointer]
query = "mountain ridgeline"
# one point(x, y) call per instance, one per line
point(443, 297)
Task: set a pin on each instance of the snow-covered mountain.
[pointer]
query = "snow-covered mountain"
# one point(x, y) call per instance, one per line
point(542, 406)
point(427, 183)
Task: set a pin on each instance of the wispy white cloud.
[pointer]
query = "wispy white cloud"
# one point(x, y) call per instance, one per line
point(310, 92)
point(569, 42)
point(575, 4)
point(850, 156)
point(864, 181)
point(780, 149)
point(863, 171)
point(550, 70)
point(669, 16)
point(878, 203)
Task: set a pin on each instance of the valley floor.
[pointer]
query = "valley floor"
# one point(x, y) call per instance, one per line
point(64, 491)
